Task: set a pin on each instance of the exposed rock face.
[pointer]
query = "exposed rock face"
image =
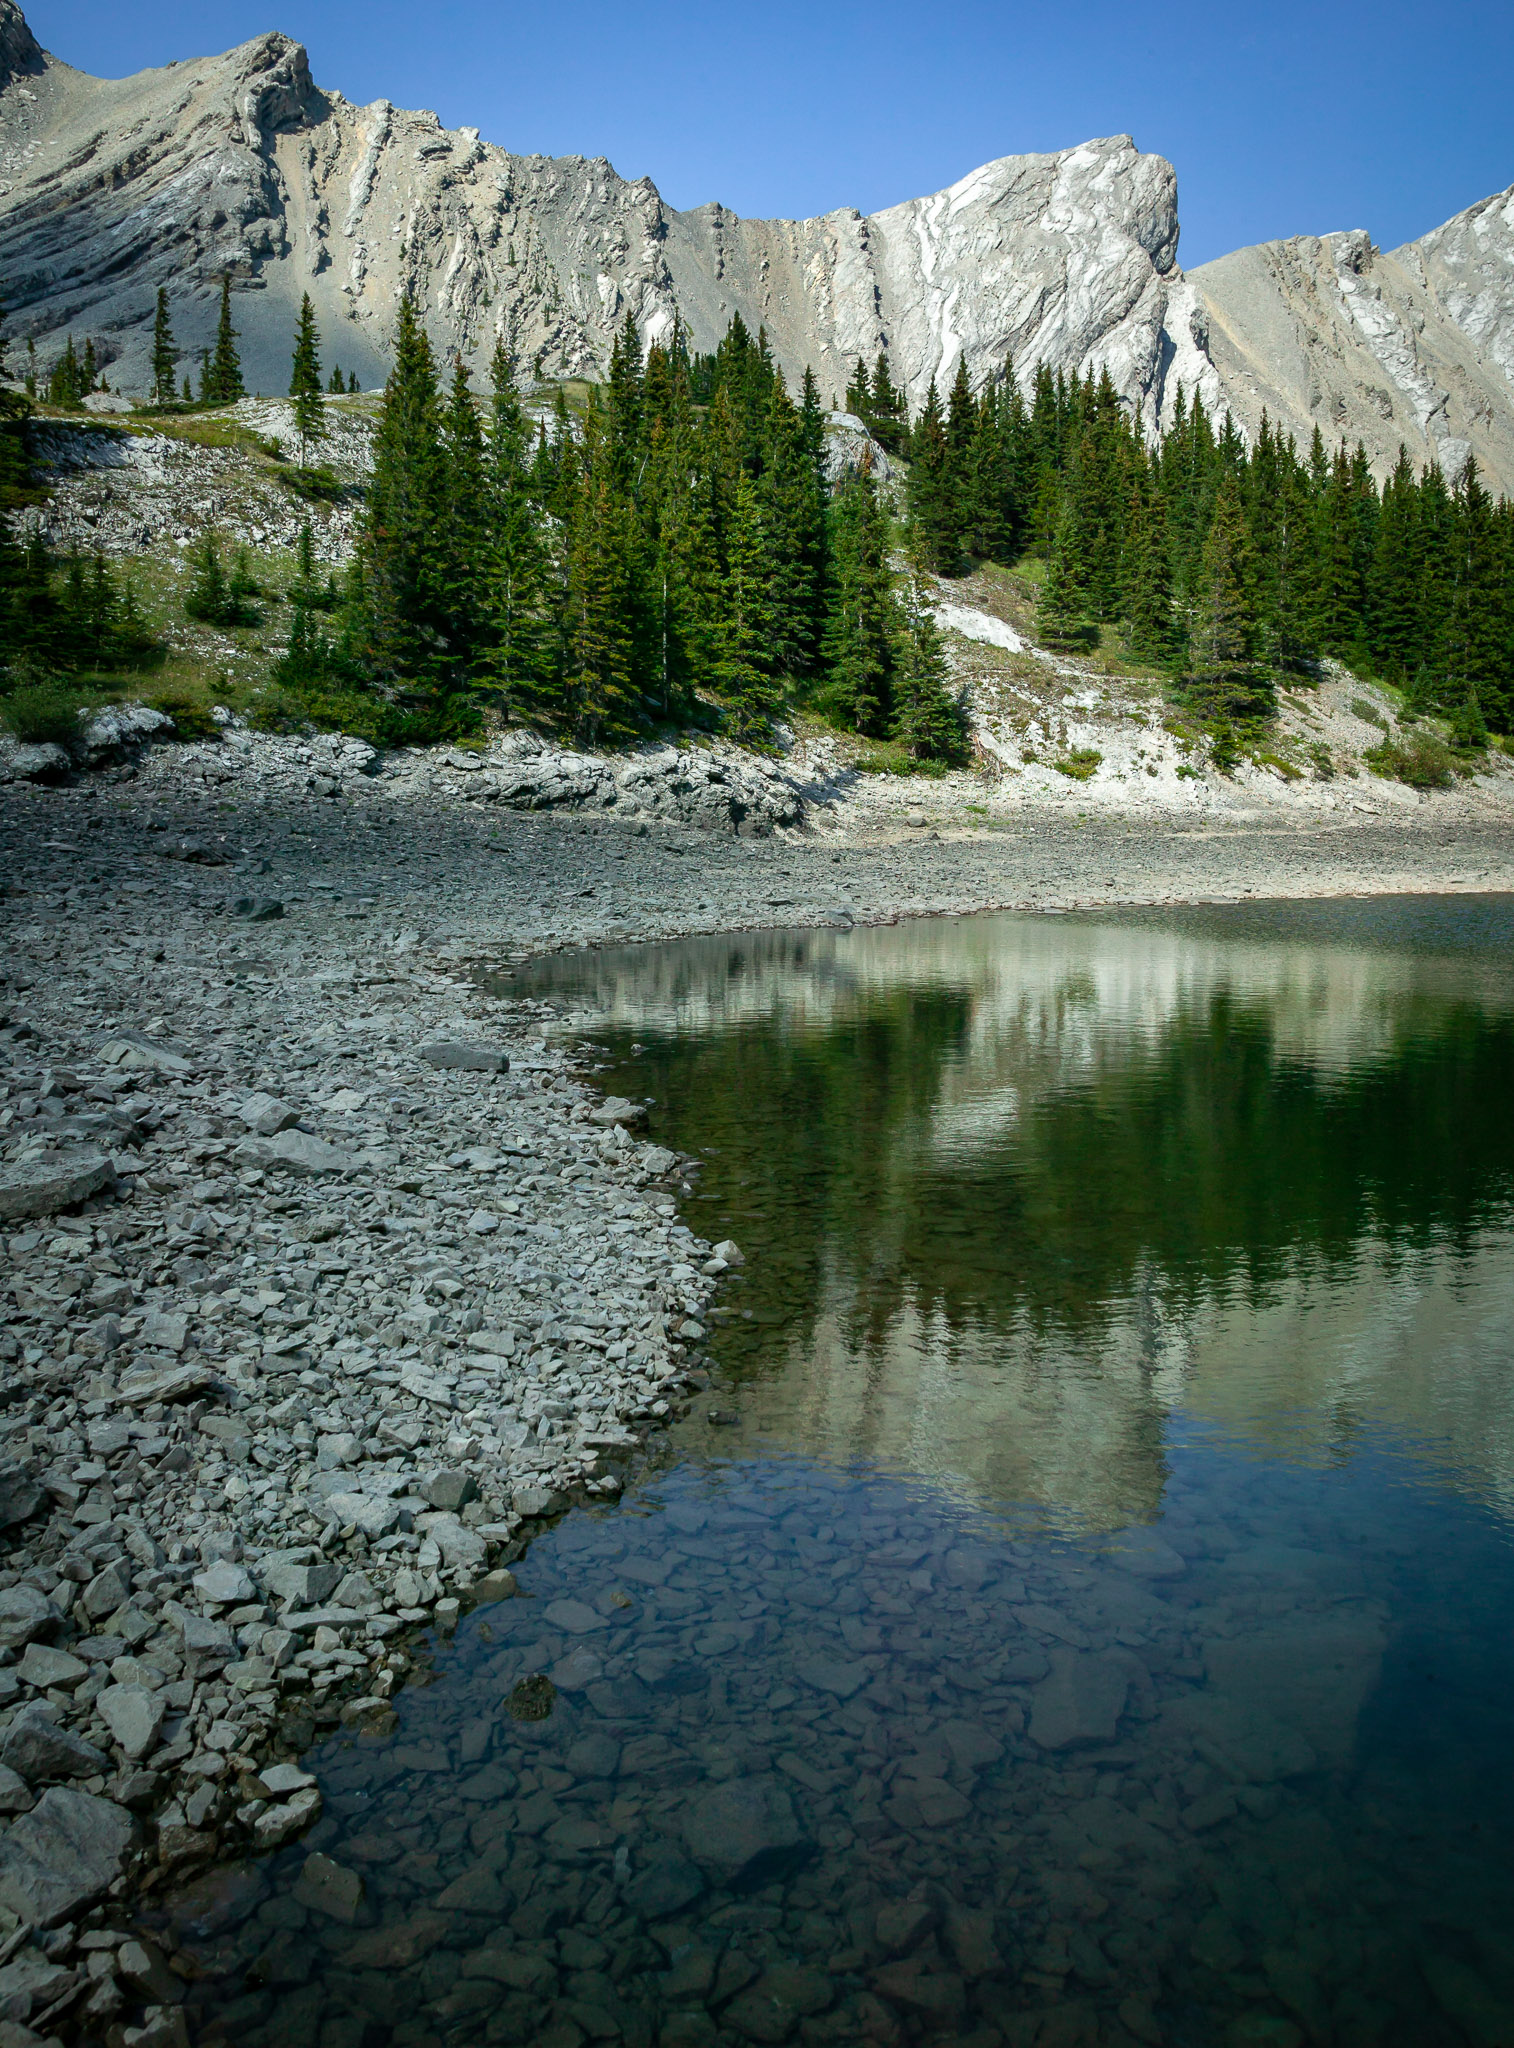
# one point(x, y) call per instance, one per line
point(1415, 347)
point(240, 163)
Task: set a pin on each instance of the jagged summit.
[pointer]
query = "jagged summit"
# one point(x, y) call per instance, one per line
point(241, 163)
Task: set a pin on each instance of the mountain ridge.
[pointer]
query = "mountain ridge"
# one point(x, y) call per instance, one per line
point(241, 162)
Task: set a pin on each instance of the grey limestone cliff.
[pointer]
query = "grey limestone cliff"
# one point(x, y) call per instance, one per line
point(1413, 347)
point(240, 163)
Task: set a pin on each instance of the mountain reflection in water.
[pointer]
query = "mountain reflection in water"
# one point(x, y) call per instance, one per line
point(1100, 1629)
point(1015, 1189)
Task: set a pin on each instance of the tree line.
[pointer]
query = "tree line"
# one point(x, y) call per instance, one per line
point(629, 566)
point(1213, 559)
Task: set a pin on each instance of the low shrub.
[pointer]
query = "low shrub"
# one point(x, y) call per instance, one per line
point(1081, 764)
point(316, 483)
point(41, 712)
point(1421, 760)
point(887, 759)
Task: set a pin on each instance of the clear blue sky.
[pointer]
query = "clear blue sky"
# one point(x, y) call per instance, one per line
point(1289, 118)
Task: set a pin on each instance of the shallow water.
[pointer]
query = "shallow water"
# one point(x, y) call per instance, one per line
point(1097, 1627)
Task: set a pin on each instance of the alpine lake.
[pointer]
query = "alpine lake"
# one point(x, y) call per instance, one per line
point(1080, 1610)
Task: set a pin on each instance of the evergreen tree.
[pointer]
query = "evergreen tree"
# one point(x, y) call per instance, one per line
point(224, 384)
point(861, 628)
point(403, 633)
point(745, 669)
point(933, 516)
point(66, 386)
point(305, 381)
point(1150, 629)
point(926, 721)
point(517, 598)
point(1225, 626)
point(164, 354)
point(1059, 605)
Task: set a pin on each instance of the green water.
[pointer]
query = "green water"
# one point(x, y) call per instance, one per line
point(1098, 1624)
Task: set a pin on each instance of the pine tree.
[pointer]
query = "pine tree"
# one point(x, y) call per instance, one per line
point(860, 637)
point(224, 384)
point(933, 517)
point(65, 386)
point(745, 670)
point(1225, 627)
point(305, 381)
point(516, 600)
point(1150, 629)
point(1059, 604)
point(403, 634)
point(209, 596)
point(164, 354)
point(926, 721)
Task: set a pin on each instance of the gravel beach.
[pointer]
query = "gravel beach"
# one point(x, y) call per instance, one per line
point(329, 1273)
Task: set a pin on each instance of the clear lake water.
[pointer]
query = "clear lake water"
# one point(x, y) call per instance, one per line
point(1095, 1627)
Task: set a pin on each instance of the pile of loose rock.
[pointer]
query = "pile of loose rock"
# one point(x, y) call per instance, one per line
point(312, 1312)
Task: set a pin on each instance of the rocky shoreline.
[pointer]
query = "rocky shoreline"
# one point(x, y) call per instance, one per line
point(330, 1275)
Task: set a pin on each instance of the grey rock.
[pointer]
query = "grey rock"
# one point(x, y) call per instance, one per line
point(449, 1490)
point(494, 1343)
point(37, 761)
point(105, 1592)
point(62, 1855)
point(615, 1109)
point(42, 1666)
point(25, 1615)
point(1081, 1700)
point(120, 729)
point(225, 1585)
point(137, 1049)
point(468, 1058)
point(297, 1152)
point(267, 1115)
point(535, 1500)
point(16, 1796)
point(169, 1383)
point(21, 1496)
point(365, 1512)
point(31, 1982)
point(306, 1585)
point(668, 1884)
point(163, 1331)
point(738, 1826)
point(134, 1716)
point(61, 1180)
point(38, 1749)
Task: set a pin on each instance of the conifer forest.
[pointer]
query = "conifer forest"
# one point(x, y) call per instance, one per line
point(672, 551)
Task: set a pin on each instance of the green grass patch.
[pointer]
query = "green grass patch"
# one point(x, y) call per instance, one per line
point(45, 712)
point(885, 758)
point(1081, 764)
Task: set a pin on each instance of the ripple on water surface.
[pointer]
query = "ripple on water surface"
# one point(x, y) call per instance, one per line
point(1098, 1629)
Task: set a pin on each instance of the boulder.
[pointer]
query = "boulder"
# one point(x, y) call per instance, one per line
point(465, 1056)
point(59, 1180)
point(742, 1828)
point(134, 1717)
point(36, 761)
point(1080, 1702)
point(296, 1152)
point(62, 1855)
point(36, 1748)
point(267, 1115)
point(119, 729)
point(25, 1615)
point(21, 1496)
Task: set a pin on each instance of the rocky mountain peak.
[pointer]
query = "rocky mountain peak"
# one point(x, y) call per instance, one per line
point(20, 52)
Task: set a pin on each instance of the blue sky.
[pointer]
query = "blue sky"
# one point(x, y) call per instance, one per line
point(1282, 119)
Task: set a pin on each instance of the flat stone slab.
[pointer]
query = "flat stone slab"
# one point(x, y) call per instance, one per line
point(62, 1855)
point(41, 1187)
point(1080, 1702)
